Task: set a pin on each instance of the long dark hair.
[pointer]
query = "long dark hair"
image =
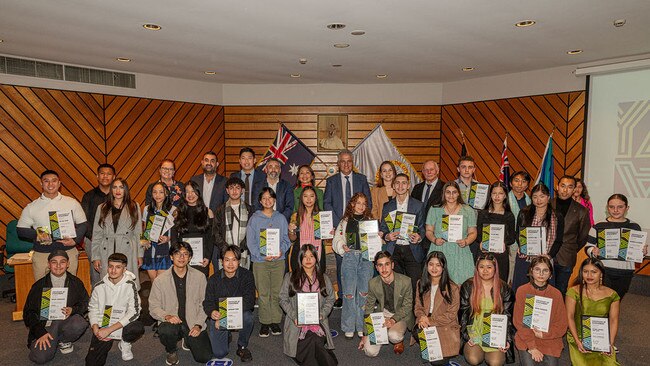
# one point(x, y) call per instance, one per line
point(585, 192)
point(529, 211)
point(130, 205)
point(580, 281)
point(445, 282)
point(167, 202)
point(313, 175)
point(298, 276)
point(197, 215)
point(301, 207)
point(506, 205)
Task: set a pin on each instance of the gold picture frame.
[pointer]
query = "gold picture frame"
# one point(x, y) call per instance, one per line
point(332, 132)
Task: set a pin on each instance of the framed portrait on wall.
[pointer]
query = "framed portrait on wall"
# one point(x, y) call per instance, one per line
point(332, 132)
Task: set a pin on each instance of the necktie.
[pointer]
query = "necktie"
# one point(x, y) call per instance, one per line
point(348, 190)
point(247, 188)
point(426, 194)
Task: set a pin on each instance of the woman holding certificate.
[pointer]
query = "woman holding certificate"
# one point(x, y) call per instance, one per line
point(382, 192)
point(306, 177)
point(496, 228)
point(451, 228)
point(436, 305)
point(540, 317)
point(193, 225)
point(485, 314)
point(592, 312)
point(540, 216)
point(356, 268)
point(301, 229)
point(117, 229)
point(155, 240)
point(619, 271)
point(307, 297)
point(267, 241)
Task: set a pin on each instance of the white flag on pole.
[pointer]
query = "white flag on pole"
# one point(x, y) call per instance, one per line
point(377, 148)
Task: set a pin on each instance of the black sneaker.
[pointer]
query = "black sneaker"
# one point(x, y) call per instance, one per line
point(244, 354)
point(275, 329)
point(264, 330)
point(338, 303)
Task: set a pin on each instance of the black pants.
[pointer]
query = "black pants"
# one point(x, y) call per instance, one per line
point(406, 264)
point(68, 330)
point(618, 280)
point(169, 335)
point(99, 349)
point(311, 351)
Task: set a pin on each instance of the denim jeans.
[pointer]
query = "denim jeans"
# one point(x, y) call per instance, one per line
point(355, 274)
point(219, 338)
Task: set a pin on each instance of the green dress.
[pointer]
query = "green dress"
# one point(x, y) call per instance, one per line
point(592, 308)
point(476, 329)
point(460, 262)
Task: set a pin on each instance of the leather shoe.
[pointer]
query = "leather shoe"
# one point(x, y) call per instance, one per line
point(398, 348)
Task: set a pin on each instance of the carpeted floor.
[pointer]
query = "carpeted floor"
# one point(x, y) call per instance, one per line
point(632, 344)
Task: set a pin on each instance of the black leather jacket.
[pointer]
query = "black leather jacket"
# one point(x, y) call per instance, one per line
point(466, 319)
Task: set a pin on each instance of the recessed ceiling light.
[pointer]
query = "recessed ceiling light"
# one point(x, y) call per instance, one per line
point(382, 76)
point(341, 45)
point(335, 26)
point(295, 75)
point(468, 68)
point(210, 72)
point(525, 23)
point(123, 59)
point(619, 23)
point(154, 27)
point(573, 52)
point(337, 65)
point(2, 40)
point(358, 33)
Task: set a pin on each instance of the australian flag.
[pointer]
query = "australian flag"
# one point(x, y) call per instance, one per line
point(290, 151)
point(504, 172)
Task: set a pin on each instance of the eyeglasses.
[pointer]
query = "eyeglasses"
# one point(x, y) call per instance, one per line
point(181, 254)
point(542, 271)
point(167, 169)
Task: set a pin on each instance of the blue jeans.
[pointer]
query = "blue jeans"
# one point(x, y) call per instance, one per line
point(562, 275)
point(219, 338)
point(355, 273)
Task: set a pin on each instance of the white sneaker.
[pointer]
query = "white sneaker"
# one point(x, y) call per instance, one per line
point(360, 334)
point(66, 347)
point(349, 335)
point(125, 347)
point(220, 362)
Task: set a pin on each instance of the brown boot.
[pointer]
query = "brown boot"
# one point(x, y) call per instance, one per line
point(398, 348)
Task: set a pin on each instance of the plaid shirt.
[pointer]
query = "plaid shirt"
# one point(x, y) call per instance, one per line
point(551, 229)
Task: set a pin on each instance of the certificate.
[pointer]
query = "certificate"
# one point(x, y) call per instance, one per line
point(169, 222)
point(111, 316)
point(375, 330)
point(595, 333)
point(530, 241)
point(62, 225)
point(407, 227)
point(390, 220)
point(430, 348)
point(308, 309)
point(270, 242)
point(53, 300)
point(323, 225)
point(493, 238)
point(370, 240)
point(478, 195)
point(495, 328)
point(231, 313)
point(156, 229)
point(609, 242)
point(632, 243)
point(197, 250)
point(452, 225)
point(537, 312)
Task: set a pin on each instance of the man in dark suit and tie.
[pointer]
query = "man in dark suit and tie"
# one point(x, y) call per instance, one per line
point(429, 193)
point(254, 179)
point(211, 184)
point(339, 189)
point(282, 188)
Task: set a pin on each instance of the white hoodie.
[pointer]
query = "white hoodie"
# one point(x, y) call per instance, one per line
point(123, 294)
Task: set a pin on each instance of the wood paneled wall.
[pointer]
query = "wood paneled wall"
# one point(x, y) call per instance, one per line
point(528, 121)
point(73, 132)
point(415, 130)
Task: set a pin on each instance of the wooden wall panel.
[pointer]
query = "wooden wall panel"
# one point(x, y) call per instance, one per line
point(528, 121)
point(415, 130)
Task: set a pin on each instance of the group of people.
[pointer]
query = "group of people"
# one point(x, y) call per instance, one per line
point(417, 280)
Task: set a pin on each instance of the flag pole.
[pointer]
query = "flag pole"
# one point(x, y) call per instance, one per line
point(539, 172)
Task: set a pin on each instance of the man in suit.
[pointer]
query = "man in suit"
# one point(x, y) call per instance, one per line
point(253, 178)
point(392, 295)
point(211, 184)
point(339, 188)
point(282, 188)
point(576, 231)
point(407, 253)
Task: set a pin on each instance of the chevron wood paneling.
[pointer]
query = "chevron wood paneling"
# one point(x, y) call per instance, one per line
point(415, 130)
point(528, 121)
point(73, 132)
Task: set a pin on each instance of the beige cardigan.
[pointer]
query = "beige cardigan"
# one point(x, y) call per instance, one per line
point(163, 300)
